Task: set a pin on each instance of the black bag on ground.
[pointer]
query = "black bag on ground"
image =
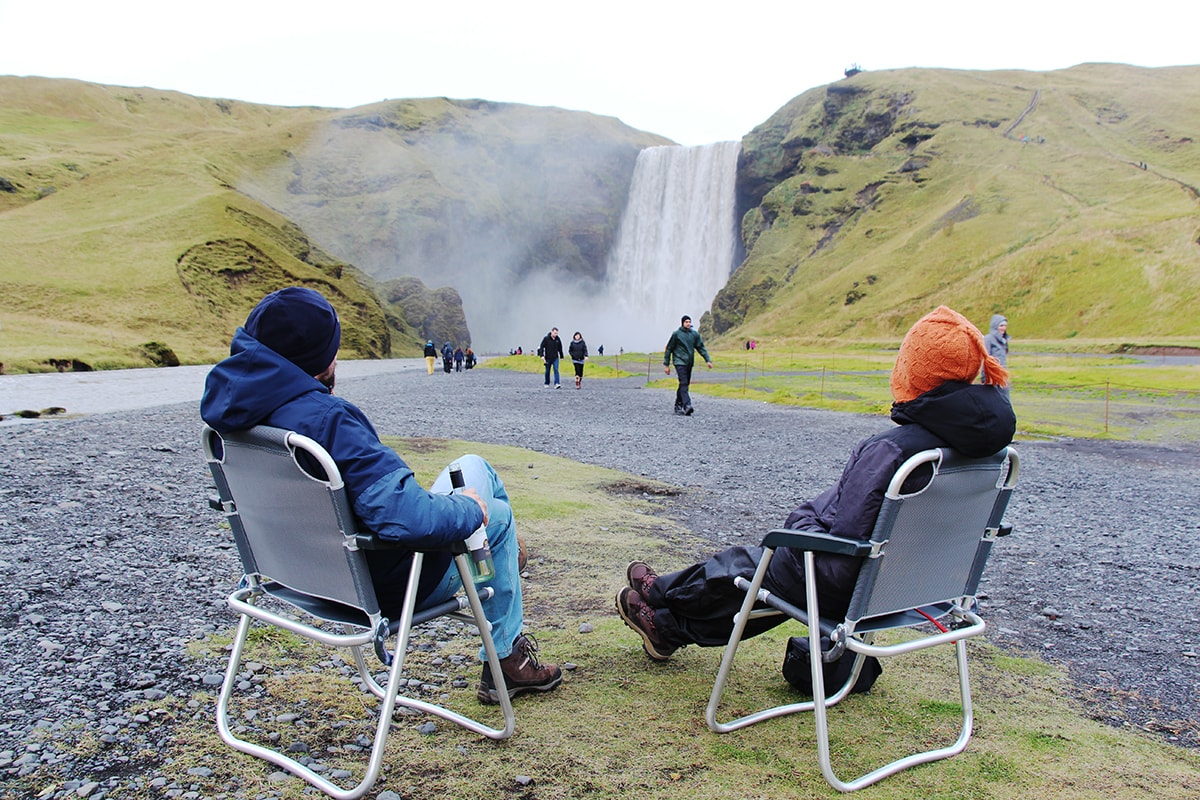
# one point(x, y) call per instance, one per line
point(798, 672)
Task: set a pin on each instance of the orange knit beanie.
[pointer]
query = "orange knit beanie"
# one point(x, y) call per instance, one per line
point(942, 346)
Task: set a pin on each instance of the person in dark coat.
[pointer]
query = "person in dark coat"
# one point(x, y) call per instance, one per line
point(936, 405)
point(579, 355)
point(447, 357)
point(679, 350)
point(551, 350)
point(281, 372)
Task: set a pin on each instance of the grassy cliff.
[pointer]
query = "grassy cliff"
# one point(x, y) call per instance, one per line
point(1067, 200)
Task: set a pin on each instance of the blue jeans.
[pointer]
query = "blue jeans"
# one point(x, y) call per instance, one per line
point(504, 608)
point(550, 364)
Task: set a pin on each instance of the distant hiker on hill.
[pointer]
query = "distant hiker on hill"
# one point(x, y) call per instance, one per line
point(679, 349)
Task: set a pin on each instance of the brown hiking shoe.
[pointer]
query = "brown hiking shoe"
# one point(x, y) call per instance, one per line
point(522, 673)
point(640, 617)
point(640, 577)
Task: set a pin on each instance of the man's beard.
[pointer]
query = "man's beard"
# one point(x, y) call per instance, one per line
point(328, 380)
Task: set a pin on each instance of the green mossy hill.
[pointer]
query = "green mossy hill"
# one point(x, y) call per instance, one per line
point(435, 314)
point(140, 226)
point(1067, 200)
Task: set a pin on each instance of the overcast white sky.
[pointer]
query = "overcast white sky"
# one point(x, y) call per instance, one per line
point(697, 71)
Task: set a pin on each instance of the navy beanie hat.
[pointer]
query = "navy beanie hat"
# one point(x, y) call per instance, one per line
point(298, 324)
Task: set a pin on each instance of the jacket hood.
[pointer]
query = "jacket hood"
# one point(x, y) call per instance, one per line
point(243, 390)
point(997, 321)
point(973, 418)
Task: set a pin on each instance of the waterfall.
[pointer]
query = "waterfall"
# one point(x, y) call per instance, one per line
point(676, 242)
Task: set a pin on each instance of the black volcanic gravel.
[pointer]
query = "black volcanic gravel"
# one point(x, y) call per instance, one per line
point(112, 560)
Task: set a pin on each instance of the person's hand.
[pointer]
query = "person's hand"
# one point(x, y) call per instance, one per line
point(667, 368)
point(474, 495)
point(709, 364)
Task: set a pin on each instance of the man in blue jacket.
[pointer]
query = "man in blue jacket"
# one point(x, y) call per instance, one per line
point(281, 372)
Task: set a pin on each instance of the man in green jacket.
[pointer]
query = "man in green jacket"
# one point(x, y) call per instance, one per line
point(679, 349)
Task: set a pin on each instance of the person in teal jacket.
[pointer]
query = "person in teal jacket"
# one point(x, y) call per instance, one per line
point(680, 348)
point(281, 372)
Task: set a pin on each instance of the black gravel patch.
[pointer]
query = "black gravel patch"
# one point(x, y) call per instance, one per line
point(112, 561)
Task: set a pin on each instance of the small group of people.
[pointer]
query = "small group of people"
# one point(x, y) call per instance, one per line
point(453, 358)
point(281, 372)
point(551, 351)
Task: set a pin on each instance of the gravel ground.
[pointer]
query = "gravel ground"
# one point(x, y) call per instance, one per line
point(112, 561)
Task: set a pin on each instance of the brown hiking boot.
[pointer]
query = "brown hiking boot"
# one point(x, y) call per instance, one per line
point(522, 673)
point(640, 577)
point(640, 617)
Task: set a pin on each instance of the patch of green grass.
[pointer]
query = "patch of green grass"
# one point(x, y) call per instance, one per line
point(622, 726)
point(595, 368)
point(1053, 394)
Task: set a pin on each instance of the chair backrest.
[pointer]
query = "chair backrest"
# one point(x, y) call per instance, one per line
point(289, 514)
point(930, 544)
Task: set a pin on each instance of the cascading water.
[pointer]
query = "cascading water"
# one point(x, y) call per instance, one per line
point(677, 240)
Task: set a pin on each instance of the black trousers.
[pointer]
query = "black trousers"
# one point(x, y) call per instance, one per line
point(696, 605)
point(683, 400)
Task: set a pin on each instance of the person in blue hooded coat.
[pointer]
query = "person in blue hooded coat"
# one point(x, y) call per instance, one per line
point(281, 372)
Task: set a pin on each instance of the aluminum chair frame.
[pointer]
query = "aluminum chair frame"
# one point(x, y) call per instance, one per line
point(939, 538)
point(273, 500)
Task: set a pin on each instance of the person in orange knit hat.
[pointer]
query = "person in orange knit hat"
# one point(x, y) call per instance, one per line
point(937, 404)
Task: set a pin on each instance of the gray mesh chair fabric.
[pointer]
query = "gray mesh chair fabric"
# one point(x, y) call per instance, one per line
point(922, 564)
point(290, 518)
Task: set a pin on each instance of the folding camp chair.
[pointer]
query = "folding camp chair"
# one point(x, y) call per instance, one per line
point(922, 564)
point(295, 534)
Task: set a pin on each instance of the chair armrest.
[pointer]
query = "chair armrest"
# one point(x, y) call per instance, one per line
point(371, 541)
point(817, 542)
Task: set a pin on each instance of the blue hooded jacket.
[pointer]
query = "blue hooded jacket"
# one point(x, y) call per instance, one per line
point(257, 386)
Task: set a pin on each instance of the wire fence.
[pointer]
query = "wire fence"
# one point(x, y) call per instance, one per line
point(1109, 408)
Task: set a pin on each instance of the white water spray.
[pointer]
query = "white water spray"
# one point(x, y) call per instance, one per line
point(676, 244)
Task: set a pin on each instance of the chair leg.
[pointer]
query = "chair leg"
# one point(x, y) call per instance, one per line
point(389, 696)
point(489, 647)
point(291, 765)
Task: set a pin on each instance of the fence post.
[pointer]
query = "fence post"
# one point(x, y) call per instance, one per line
point(822, 381)
point(1106, 394)
point(745, 372)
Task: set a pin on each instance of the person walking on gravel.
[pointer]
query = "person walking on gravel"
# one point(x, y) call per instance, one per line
point(680, 349)
point(579, 355)
point(551, 350)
